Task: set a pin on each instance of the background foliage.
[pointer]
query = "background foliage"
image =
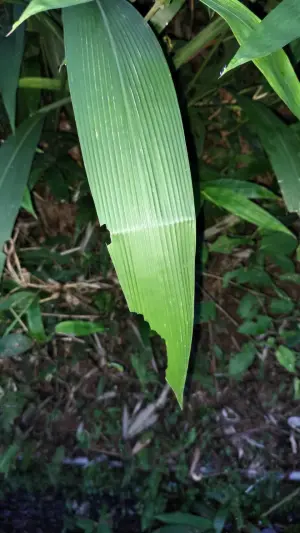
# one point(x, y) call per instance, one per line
point(84, 409)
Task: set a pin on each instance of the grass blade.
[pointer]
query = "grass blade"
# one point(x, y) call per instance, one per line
point(276, 67)
point(16, 156)
point(11, 53)
point(280, 27)
point(282, 146)
point(241, 206)
point(135, 156)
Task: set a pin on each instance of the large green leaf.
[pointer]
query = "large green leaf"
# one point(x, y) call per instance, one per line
point(276, 67)
point(279, 27)
point(38, 6)
point(282, 146)
point(16, 156)
point(241, 206)
point(135, 156)
point(11, 53)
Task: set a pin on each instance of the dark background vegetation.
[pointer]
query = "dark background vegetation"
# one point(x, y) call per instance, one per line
point(90, 435)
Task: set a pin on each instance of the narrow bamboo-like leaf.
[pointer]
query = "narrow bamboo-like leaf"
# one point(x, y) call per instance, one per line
point(135, 156)
point(38, 6)
point(27, 203)
point(11, 53)
point(282, 146)
point(276, 67)
point(163, 16)
point(16, 155)
point(246, 188)
point(279, 27)
point(241, 206)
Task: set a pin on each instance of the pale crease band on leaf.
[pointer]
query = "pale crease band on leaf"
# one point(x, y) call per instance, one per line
point(282, 146)
point(241, 206)
point(11, 53)
point(276, 67)
point(38, 6)
point(16, 156)
point(135, 156)
point(278, 28)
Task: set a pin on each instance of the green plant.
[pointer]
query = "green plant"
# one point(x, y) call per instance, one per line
point(132, 140)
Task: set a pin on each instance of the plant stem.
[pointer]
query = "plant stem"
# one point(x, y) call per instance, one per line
point(55, 105)
point(282, 502)
point(208, 34)
point(154, 9)
point(203, 65)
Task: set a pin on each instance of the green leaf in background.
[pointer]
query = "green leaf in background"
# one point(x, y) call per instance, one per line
point(275, 243)
point(246, 188)
point(287, 358)
point(14, 344)
point(239, 205)
point(220, 519)
point(38, 6)
point(240, 362)
point(20, 300)
point(208, 311)
point(16, 156)
point(163, 16)
point(281, 306)
point(186, 519)
point(35, 322)
point(296, 388)
point(226, 245)
point(278, 28)
point(79, 328)
point(276, 67)
point(282, 146)
point(11, 53)
point(27, 203)
point(176, 529)
point(133, 146)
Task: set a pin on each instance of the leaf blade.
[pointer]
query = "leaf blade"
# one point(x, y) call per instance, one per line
point(243, 207)
point(282, 146)
point(145, 194)
point(276, 67)
point(11, 53)
point(16, 156)
point(278, 28)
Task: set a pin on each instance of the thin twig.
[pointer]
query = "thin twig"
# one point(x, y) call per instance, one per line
point(218, 306)
point(277, 505)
